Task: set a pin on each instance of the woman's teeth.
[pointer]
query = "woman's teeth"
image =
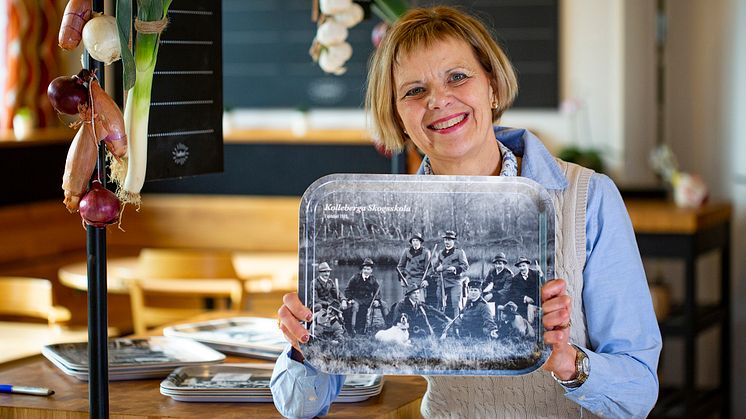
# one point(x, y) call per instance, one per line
point(448, 123)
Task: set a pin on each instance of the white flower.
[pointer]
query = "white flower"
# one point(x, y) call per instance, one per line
point(332, 7)
point(689, 190)
point(332, 59)
point(350, 16)
point(331, 32)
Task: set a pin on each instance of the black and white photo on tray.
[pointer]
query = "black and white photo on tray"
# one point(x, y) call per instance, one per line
point(425, 274)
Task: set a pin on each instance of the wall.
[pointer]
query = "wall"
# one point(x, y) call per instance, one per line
point(706, 101)
point(607, 51)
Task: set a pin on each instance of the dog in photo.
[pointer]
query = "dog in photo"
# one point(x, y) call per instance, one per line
point(398, 333)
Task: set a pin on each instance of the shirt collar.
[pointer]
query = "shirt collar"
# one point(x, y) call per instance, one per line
point(537, 164)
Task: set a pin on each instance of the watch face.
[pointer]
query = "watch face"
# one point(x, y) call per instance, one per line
point(585, 365)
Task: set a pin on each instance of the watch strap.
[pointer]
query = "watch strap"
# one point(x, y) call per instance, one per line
point(581, 371)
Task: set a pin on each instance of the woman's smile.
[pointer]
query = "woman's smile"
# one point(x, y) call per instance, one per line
point(450, 123)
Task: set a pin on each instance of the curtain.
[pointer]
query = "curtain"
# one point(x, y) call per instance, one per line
point(30, 59)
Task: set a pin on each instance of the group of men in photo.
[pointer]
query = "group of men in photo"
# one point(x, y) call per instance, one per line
point(501, 306)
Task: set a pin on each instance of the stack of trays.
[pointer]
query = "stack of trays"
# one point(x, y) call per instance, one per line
point(256, 337)
point(249, 383)
point(134, 359)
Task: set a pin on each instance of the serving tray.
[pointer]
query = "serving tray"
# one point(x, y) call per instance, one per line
point(248, 383)
point(466, 318)
point(132, 359)
point(256, 337)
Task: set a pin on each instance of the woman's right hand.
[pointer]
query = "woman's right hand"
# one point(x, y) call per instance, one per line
point(290, 315)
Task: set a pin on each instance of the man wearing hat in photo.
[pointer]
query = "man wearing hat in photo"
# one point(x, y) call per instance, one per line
point(413, 262)
point(327, 322)
point(497, 283)
point(360, 292)
point(424, 320)
point(450, 265)
point(524, 286)
point(476, 319)
point(510, 324)
point(325, 289)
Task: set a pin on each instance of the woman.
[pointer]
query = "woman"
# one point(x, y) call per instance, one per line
point(440, 80)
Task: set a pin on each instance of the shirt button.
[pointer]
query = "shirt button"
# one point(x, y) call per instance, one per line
point(582, 397)
point(312, 398)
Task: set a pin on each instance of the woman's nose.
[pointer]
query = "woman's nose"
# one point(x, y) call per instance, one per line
point(439, 98)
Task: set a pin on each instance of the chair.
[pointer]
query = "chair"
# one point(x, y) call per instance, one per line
point(173, 274)
point(30, 297)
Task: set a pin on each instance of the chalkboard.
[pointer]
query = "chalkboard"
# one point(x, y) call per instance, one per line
point(275, 169)
point(266, 60)
point(185, 135)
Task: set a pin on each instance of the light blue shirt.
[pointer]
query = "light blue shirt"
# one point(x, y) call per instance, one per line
point(622, 328)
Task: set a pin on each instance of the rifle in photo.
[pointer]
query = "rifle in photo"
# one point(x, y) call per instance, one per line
point(369, 314)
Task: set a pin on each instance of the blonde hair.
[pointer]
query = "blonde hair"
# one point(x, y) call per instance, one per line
point(421, 27)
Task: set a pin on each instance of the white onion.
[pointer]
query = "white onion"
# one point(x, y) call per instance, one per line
point(332, 7)
point(339, 52)
point(101, 39)
point(350, 16)
point(333, 59)
point(331, 32)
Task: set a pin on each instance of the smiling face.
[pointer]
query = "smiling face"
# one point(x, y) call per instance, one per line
point(499, 266)
point(444, 97)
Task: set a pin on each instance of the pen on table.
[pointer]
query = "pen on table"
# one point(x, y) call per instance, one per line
point(34, 391)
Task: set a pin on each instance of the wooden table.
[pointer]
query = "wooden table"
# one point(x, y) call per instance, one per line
point(400, 398)
point(666, 231)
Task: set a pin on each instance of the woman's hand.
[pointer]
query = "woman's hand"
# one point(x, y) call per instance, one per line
point(555, 304)
point(290, 315)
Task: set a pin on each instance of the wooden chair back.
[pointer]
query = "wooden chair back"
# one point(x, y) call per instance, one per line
point(30, 297)
point(172, 274)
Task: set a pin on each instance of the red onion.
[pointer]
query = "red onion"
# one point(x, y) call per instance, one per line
point(68, 93)
point(99, 206)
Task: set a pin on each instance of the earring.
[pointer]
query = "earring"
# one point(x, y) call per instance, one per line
point(494, 103)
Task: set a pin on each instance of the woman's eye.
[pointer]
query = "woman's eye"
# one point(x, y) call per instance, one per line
point(414, 91)
point(458, 76)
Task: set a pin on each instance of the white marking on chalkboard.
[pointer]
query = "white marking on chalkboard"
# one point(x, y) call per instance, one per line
point(191, 12)
point(182, 72)
point(181, 133)
point(180, 153)
point(183, 102)
point(184, 42)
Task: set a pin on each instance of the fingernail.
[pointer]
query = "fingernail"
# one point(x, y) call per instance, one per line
point(304, 338)
point(309, 316)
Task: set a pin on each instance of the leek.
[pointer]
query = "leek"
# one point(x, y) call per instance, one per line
point(137, 108)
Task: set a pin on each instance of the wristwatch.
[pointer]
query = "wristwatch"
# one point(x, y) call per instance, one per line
point(582, 370)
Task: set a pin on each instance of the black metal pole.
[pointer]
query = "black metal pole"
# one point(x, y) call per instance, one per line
point(98, 354)
point(399, 163)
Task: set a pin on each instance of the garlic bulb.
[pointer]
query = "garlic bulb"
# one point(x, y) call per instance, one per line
point(339, 52)
point(333, 58)
point(332, 7)
point(331, 32)
point(101, 39)
point(350, 16)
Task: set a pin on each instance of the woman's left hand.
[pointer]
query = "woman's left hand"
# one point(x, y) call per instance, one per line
point(555, 305)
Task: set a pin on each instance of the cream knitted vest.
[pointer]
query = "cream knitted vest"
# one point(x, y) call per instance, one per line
point(534, 395)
